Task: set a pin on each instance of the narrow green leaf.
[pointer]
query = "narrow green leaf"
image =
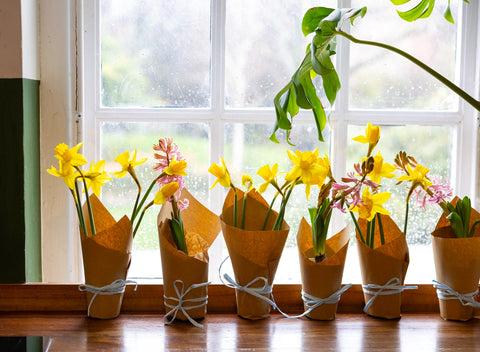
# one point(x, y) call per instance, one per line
point(472, 230)
point(456, 224)
point(312, 18)
point(178, 234)
point(448, 14)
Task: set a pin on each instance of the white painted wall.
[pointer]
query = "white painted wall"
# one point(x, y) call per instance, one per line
point(29, 27)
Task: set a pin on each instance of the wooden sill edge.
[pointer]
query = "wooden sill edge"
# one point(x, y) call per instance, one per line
point(45, 297)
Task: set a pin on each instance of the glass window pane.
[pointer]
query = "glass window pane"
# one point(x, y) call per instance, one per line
point(119, 194)
point(155, 53)
point(380, 79)
point(247, 148)
point(432, 147)
point(264, 46)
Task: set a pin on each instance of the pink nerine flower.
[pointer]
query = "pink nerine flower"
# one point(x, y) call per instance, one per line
point(439, 192)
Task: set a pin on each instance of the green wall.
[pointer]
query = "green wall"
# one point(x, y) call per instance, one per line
point(20, 249)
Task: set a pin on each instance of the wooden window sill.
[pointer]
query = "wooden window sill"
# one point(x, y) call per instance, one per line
point(41, 297)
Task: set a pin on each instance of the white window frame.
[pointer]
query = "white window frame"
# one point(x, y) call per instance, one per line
point(75, 99)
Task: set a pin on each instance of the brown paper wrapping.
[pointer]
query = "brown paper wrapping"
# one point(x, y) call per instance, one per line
point(322, 279)
point(383, 263)
point(457, 265)
point(253, 252)
point(106, 257)
point(202, 227)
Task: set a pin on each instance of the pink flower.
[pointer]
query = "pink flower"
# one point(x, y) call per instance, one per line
point(440, 192)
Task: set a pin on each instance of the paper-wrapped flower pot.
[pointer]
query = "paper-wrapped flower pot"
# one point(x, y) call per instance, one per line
point(322, 279)
point(201, 227)
point(254, 252)
point(106, 258)
point(382, 264)
point(457, 265)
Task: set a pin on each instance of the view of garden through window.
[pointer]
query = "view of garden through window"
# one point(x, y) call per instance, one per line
point(156, 61)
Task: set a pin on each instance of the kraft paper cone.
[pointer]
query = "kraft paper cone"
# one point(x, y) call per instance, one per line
point(383, 263)
point(106, 257)
point(202, 227)
point(253, 252)
point(322, 279)
point(457, 265)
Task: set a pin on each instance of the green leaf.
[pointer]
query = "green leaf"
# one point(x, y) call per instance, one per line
point(472, 230)
point(399, 2)
point(456, 224)
point(312, 17)
point(448, 14)
point(178, 233)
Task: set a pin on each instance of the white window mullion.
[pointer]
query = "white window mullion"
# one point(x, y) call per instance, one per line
point(464, 180)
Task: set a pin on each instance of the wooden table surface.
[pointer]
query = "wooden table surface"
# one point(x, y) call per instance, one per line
point(227, 332)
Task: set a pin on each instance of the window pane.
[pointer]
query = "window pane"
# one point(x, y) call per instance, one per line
point(155, 53)
point(119, 194)
point(384, 80)
point(247, 148)
point(432, 147)
point(264, 46)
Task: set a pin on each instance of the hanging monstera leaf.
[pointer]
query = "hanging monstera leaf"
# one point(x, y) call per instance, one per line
point(421, 9)
point(300, 92)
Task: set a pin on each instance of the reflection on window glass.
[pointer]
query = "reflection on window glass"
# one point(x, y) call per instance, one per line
point(432, 147)
point(380, 79)
point(155, 53)
point(119, 194)
point(264, 46)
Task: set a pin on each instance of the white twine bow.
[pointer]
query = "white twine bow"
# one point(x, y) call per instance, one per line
point(445, 293)
point(118, 286)
point(181, 293)
point(392, 287)
point(311, 302)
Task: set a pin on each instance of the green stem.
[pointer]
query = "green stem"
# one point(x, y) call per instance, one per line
point(141, 217)
point(244, 207)
point(89, 206)
point(369, 232)
point(380, 227)
point(468, 98)
point(372, 233)
point(269, 211)
point(145, 196)
point(406, 219)
point(281, 214)
point(235, 198)
point(357, 227)
point(131, 171)
point(81, 218)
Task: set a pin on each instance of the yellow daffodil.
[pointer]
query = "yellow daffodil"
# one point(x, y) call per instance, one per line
point(127, 163)
point(67, 172)
point(221, 173)
point(166, 192)
point(268, 174)
point(70, 156)
point(319, 179)
point(372, 135)
point(247, 182)
point(417, 176)
point(96, 177)
point(380, 169)
point(176, 167)
point(304, 165)
point(371, 205)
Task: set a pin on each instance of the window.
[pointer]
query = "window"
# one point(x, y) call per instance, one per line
point(205, 73)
